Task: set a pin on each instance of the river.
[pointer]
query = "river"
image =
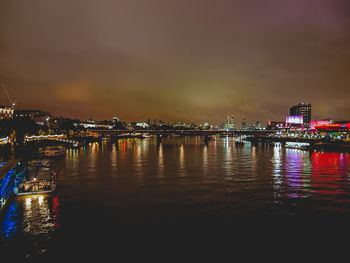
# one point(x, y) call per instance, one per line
point(110, 187)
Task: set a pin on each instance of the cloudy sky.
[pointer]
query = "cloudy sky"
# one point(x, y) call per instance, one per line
point(189, 60)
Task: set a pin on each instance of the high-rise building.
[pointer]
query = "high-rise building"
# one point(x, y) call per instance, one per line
point(302, 109)
point(244, 124)
point(230, 122)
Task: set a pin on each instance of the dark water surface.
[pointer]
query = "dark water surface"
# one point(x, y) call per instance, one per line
point(108, 190)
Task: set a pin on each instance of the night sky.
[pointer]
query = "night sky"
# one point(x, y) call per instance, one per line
point(189, 60)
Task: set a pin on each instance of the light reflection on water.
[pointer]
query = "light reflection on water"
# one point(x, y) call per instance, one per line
point(182, 171)
point(38, 218)
point(277, 173)
point(178, 177)
point(35, 215)
point(297, 179)
point(28, 226)
point(160, 161)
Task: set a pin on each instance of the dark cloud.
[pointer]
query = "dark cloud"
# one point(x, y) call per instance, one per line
point(171, 60)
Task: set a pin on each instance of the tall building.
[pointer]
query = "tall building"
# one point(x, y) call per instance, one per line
point(230, 122)
point(302, 109)
point(244, 124)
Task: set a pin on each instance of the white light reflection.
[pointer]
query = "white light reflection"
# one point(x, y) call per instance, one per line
point(160, 161)
point(145, 144)
point(114, 160)
point(40, 200)
point(138, 161)
point(277, 168)
point(254, 159)
point(28, 202)
point(182, 160)
point(205, 160)
point(228, 159)
point(37, 217)
point(92, 157)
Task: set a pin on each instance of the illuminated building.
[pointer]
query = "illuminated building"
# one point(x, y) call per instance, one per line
point(96, 124)
point(6, 112)
point(230, 122)
point(341, 126)
point(244, 124)
point(295, 119)
point(206, 125)
point(275, 125)
point(181, 124)
point(317, 123)
point(142, 124)
point(302, 109)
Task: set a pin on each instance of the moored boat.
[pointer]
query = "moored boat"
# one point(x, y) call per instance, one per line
point(54, 151)
point(40, 163)
point(297, 145)
point(37, 179)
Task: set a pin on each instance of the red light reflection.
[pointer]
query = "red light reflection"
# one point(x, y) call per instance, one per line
point(329, 172)
point(55, 212)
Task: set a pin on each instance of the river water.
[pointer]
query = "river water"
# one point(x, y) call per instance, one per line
point(107, 187)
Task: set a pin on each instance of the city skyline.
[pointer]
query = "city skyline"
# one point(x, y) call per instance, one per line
point(177, 60)
point(229, 121)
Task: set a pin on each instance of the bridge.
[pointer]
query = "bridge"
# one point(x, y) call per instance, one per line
point(237, 132)
point(55, 137)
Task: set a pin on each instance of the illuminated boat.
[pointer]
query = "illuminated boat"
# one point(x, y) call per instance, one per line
point(54, 151)
point(40, 163)
point(37, 179)
point(298, 145)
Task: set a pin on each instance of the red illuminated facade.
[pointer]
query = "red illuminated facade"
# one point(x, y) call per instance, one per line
point(333, 127)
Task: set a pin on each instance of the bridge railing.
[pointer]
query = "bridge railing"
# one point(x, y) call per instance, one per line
point(54, 137)
point(43, 137)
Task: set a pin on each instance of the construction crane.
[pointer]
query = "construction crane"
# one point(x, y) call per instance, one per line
point(13, 103)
